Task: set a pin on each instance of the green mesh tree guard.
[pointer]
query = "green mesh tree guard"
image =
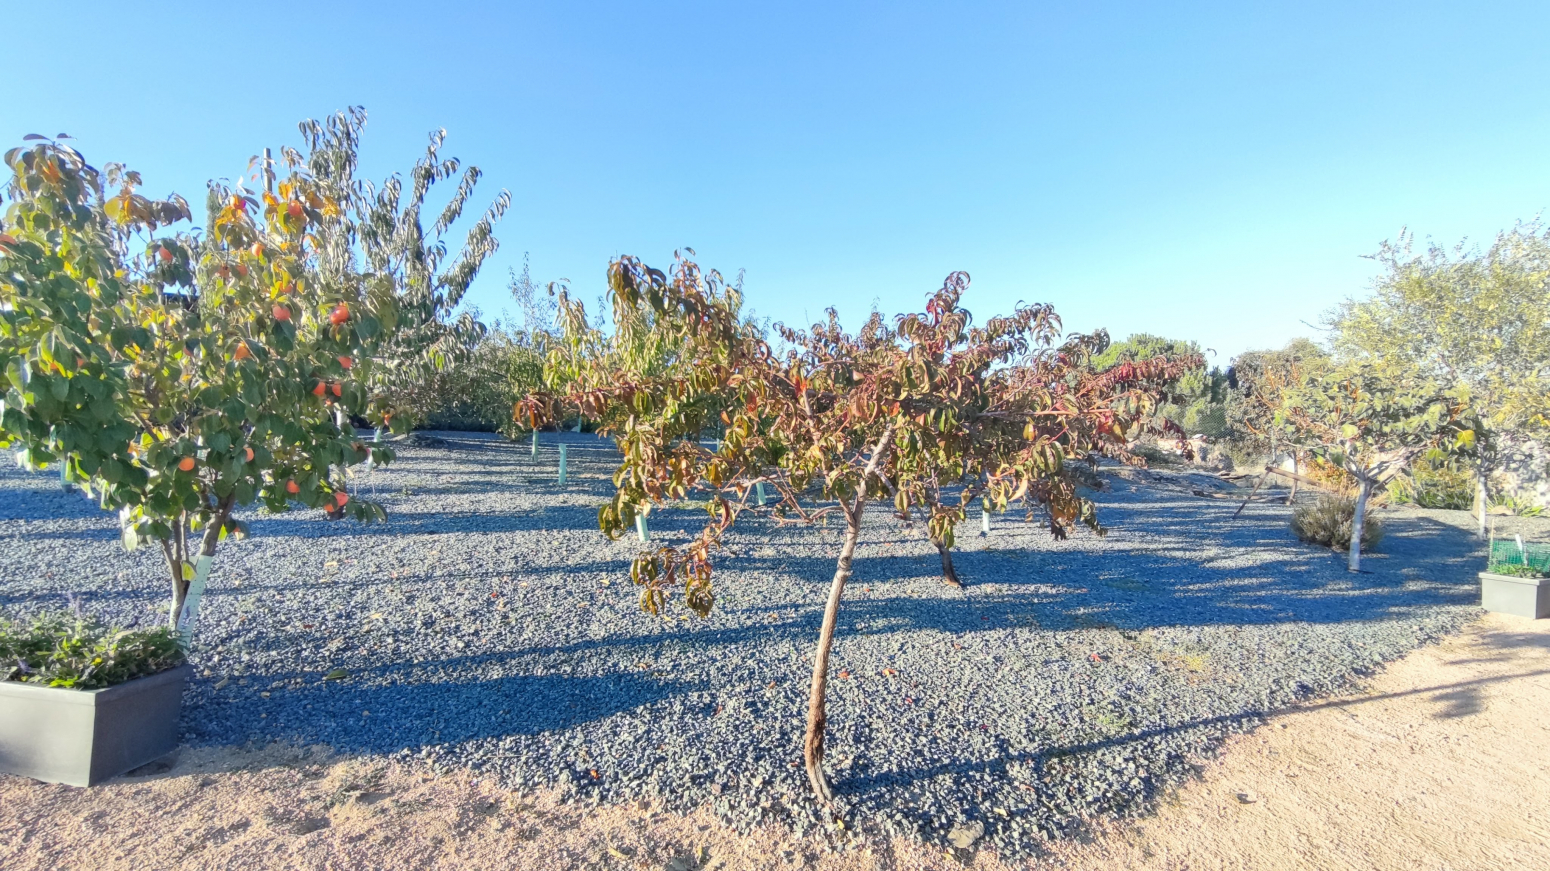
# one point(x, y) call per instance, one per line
point(1506, 551)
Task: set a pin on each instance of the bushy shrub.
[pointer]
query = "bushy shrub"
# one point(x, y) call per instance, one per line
point(1327, 521)
point(62, 650)
point(1435, 485)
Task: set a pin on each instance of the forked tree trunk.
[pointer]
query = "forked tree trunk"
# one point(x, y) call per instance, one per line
point(188, 590)
point(1358, 525)
point(817, 720)
point(949, 575)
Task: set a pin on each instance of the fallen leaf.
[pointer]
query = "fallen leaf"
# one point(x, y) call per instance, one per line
point(337, 674)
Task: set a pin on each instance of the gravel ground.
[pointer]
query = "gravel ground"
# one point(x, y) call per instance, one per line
point(489, 624)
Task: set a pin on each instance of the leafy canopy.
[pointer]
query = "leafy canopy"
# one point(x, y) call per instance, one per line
point(932, 404)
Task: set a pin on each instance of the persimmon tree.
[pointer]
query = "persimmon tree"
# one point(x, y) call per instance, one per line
point(827, 420)
point(1373, 427)
point(178, 376)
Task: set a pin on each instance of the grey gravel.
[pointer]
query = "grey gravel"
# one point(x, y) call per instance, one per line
point(489, 624)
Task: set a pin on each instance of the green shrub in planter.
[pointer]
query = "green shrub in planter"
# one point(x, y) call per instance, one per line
point(1514, 570)
point(62, 650)
point(1328, 522)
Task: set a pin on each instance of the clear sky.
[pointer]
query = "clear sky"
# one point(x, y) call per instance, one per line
point(1202, 170)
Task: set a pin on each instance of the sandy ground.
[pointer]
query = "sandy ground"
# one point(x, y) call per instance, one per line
point(1442, 762)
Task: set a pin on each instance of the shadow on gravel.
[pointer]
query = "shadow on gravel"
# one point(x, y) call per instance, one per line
point(1461, 699)
point(362, 717)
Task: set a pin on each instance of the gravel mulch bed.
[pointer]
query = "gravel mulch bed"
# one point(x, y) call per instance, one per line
point(489, 624)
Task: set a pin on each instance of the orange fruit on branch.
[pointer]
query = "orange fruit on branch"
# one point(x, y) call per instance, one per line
point(165, 254)
point(341, 498)
point(320, 389)
point(242, 352)
point(339, 315)
point(346, 362)
point(294, 209)
point(186, 464)
point(292, 488)
point(281, 313)
point(337, 389)
point(248, 453)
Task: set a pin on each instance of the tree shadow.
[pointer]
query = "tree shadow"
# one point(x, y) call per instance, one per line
point(371, 716)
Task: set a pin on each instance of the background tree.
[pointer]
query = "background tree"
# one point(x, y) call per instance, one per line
point(1373, 428)
point(1257, 383)
point(1476, 323)
point(379, 232)
point(1195, 400)
point(828, 422)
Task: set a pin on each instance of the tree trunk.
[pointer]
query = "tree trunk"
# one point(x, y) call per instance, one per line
point(1358, 523)
point(948, 574)
point(188, 592)
point(1482, 499)
point(1292, 496)
point(817, 720)
point(179, 584)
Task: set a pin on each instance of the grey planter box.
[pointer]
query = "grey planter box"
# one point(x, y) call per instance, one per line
point(83, 737)
point(1524, 597)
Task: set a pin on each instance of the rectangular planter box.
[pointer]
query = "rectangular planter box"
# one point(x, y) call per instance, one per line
point(83, 737)
point(1524, 597)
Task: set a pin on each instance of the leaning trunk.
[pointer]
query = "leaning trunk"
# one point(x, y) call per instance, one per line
point(817, 720)
point(812, 749)
point(949, 575)
point(1358, 525)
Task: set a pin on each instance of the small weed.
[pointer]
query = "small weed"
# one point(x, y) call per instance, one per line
point(1108, 723)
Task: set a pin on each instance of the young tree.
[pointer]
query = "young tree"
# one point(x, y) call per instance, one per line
point(178, 377)
point(1475, 323)
point(829, 422)
point(1373, 428)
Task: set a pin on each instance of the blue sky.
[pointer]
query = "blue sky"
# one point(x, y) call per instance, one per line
point(1205, 171)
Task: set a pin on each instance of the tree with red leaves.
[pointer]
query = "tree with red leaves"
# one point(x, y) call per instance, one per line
point(933, 412)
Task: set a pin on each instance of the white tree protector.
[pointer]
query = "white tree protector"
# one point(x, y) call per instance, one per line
point(196, 593)
point(562, 465)
point(984, 522)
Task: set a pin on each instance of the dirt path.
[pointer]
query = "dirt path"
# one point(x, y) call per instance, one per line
point(1443, 763)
